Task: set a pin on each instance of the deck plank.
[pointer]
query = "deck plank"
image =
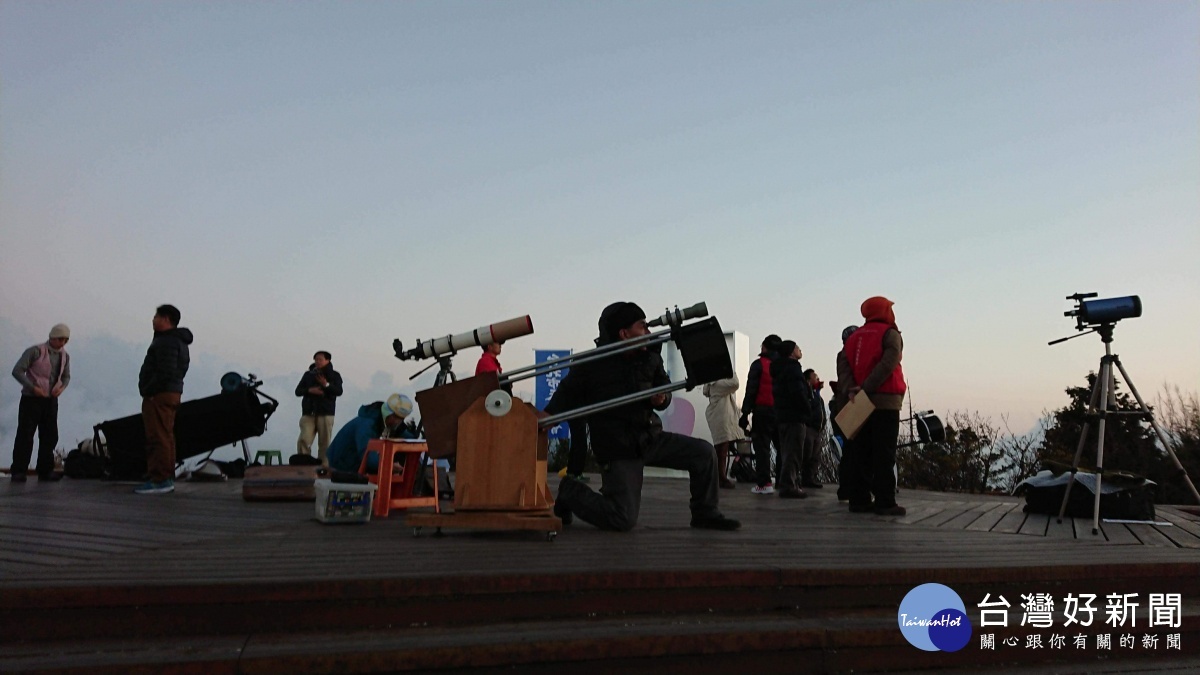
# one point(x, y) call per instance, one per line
point(1012, 521)
point(989, 520)
point(1149, 535)
point(1035, 525)
point(1116, 533)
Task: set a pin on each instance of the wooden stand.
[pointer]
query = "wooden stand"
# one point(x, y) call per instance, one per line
point(395, 489)
point(501, 474)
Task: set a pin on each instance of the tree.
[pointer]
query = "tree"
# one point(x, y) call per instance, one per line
point(965, 462)
point(1129, 443)
point(1178, 415)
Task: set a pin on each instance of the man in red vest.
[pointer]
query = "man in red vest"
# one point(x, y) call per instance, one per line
point(759, 401)
point(873, 355)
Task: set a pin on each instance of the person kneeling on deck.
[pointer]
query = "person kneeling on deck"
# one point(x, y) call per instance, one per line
point(628, 438)
point(375, 420)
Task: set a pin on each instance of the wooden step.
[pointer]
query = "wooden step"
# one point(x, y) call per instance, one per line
point(696, 643)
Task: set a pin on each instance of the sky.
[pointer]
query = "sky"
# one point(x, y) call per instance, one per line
point(334, 175)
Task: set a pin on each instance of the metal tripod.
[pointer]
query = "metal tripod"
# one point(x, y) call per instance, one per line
point(445, 375)
point(1103, 403)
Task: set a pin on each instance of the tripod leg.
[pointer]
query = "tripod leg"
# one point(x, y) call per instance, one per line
point(1162, 438)
point(1093, 406)
point(1108, 396)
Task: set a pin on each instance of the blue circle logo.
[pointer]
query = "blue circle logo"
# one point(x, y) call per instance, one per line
point(932, 617)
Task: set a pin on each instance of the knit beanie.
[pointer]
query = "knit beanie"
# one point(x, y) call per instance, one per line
point(878, 308)
point(60, 330)
point(616, 317)
point(847, 332)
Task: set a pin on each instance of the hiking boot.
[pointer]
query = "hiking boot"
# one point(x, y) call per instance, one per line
point(19, 477)
point(866, 507)
point(715, 521)
point(152, 488)
point(767, 489)
point(893, 510)
point(49, 477)
point(793, 494)
point(563, 513)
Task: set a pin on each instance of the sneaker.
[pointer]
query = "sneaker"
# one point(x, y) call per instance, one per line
point(50, 477)
point(793, 494)
point(862, 508)
point(812, 484)
point(152, 488)
point(726, 484)
point(715, 521)
point(767, 489)
point(893, 510)
point(564, 514)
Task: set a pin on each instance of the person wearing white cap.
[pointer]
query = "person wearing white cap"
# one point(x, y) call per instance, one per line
point(374, 420)
point(44, 372)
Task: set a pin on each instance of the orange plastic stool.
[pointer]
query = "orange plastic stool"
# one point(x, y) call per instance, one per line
point(395, 489)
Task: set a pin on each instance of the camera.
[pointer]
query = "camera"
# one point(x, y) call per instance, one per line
point(1091, 313)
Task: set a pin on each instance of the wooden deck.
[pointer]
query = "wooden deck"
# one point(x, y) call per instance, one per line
point(93, 557)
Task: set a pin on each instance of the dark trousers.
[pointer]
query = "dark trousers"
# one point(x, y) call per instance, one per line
point(40, 414)
point(793, 438)
point(577, 451)
point(873, 458)
point(158, 415)
point(762, 435)
point(619, 502)
point(843, 468)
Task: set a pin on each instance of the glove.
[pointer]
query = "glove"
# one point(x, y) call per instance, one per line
point(744, 422)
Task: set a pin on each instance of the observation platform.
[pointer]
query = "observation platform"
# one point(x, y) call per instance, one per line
point(96, 579)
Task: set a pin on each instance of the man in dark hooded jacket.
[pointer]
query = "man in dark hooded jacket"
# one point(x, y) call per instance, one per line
point(627, 438)
point(161, 384)
point(794, 411)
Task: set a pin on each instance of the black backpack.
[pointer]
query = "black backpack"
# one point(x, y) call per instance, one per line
point(81, 465)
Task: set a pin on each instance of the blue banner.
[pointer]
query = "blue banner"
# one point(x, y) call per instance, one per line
point(547, 384)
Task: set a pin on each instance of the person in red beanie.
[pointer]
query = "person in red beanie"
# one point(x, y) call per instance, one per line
point(873, 354)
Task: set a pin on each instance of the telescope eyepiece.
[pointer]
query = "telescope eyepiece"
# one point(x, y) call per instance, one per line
point(677, 316)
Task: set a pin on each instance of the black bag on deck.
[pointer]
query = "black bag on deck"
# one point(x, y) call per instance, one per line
point(77, 464)
point(1122, 496)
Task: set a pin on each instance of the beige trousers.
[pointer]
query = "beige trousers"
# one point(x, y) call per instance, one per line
point(320, 426)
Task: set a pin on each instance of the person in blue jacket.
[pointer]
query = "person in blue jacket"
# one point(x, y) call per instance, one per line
point(374, 420)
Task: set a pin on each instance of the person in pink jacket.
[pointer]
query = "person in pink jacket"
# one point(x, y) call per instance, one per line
point(44, 372)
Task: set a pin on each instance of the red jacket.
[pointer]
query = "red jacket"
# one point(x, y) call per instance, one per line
point(488, 363)
point(765, 395)
point(864, 350)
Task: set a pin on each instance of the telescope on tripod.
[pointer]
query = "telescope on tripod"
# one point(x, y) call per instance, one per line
point(500, 442)
point(1101, 317)
point(444, 348)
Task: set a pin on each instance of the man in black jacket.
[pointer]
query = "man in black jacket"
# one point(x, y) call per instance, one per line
point(319, 387)
point(794, 411)
point(161, 384)
point(628, 438)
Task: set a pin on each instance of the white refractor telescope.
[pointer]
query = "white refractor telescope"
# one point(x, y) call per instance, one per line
point(480, 337)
